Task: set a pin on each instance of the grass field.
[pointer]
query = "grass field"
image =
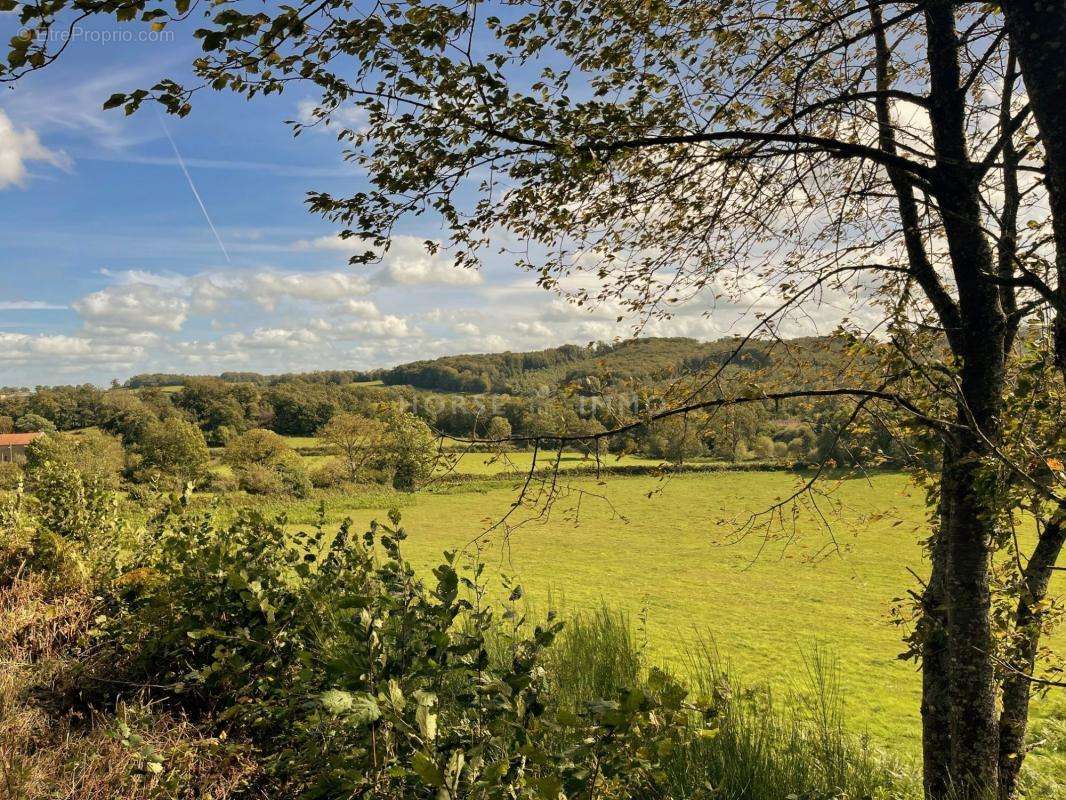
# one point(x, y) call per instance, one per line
point(519, 462)
point(657, 549)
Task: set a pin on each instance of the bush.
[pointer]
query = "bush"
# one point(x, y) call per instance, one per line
point(33, 423)
point(10, 475)
point(97, 456)
point(256, 479)
point(257, 446)
point(763, 447)
point(359, 440)
point(220, 482)
point(348, 676)
point(293, 475)
point(411, 450)
point(329, 474)
point(498, 429)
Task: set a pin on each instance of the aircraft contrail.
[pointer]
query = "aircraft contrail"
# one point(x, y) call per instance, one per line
point(196, 194)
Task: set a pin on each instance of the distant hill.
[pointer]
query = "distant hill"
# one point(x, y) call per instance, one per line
point(646, 359)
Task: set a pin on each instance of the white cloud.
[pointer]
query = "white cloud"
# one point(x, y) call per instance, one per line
point(147, 300)
point(359, 308)
point(535, 328)
point(335, 243)
point(352, 118)
point(29, 305)
point(271, 339)
point(387, 326)
point(466, 329)
point(407, 262)
point(60, 352)
point(136, 306)
point(17, 147)
point(267, 288)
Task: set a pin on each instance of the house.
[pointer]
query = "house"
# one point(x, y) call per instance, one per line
point(13, 445)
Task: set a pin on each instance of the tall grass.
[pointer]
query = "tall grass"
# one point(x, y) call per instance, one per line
point(765, 748)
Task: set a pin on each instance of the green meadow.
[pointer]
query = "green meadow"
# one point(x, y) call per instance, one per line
point(666, 551)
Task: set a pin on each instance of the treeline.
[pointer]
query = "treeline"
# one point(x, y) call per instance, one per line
point(222, 410)
point(171, 379)
point(218, 407)
point(522, 373)
point(616, 364)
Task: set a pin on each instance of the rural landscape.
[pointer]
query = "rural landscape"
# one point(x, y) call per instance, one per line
point(681, 417)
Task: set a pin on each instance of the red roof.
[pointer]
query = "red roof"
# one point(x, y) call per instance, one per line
point(17, 439)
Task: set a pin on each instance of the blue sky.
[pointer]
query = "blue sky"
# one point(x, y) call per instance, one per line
point(110, 267)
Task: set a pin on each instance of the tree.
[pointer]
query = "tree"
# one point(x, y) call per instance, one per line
point(876, 153)
point(411, 449)
point(122, 412)
point(499, 429)
point(301, 408)
point(676, 438)
point(33, 423)
point(175, 448)
point(733, 428)
point(359, 439)
point(257, 446)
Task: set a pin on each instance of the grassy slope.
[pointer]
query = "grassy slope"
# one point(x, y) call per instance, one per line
point(663, 563)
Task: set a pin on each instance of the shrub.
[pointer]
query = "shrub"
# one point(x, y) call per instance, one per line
point(257, 479)
point(95, 455)
point(498, 429)
point(33, 423)
point(360, 440)
point(348, 676)
point(293, 475)
point(763, 447)
point(257, 446)
point(329, 474)
point(10, 475)
point(220, 482)
point(68, 527)
point(675, 438)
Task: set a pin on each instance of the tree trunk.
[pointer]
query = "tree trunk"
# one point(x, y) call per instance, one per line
point(974, 723)
point(980, 350)
point(979, 347)
point(936, 683)
point(1017, 686)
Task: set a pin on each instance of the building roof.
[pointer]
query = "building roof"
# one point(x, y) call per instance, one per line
point(17, 439)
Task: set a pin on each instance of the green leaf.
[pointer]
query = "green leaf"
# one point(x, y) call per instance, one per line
point(365, 709)
point(549, 787)
point(336, 702)
point(426, 716)
point(427, 769)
